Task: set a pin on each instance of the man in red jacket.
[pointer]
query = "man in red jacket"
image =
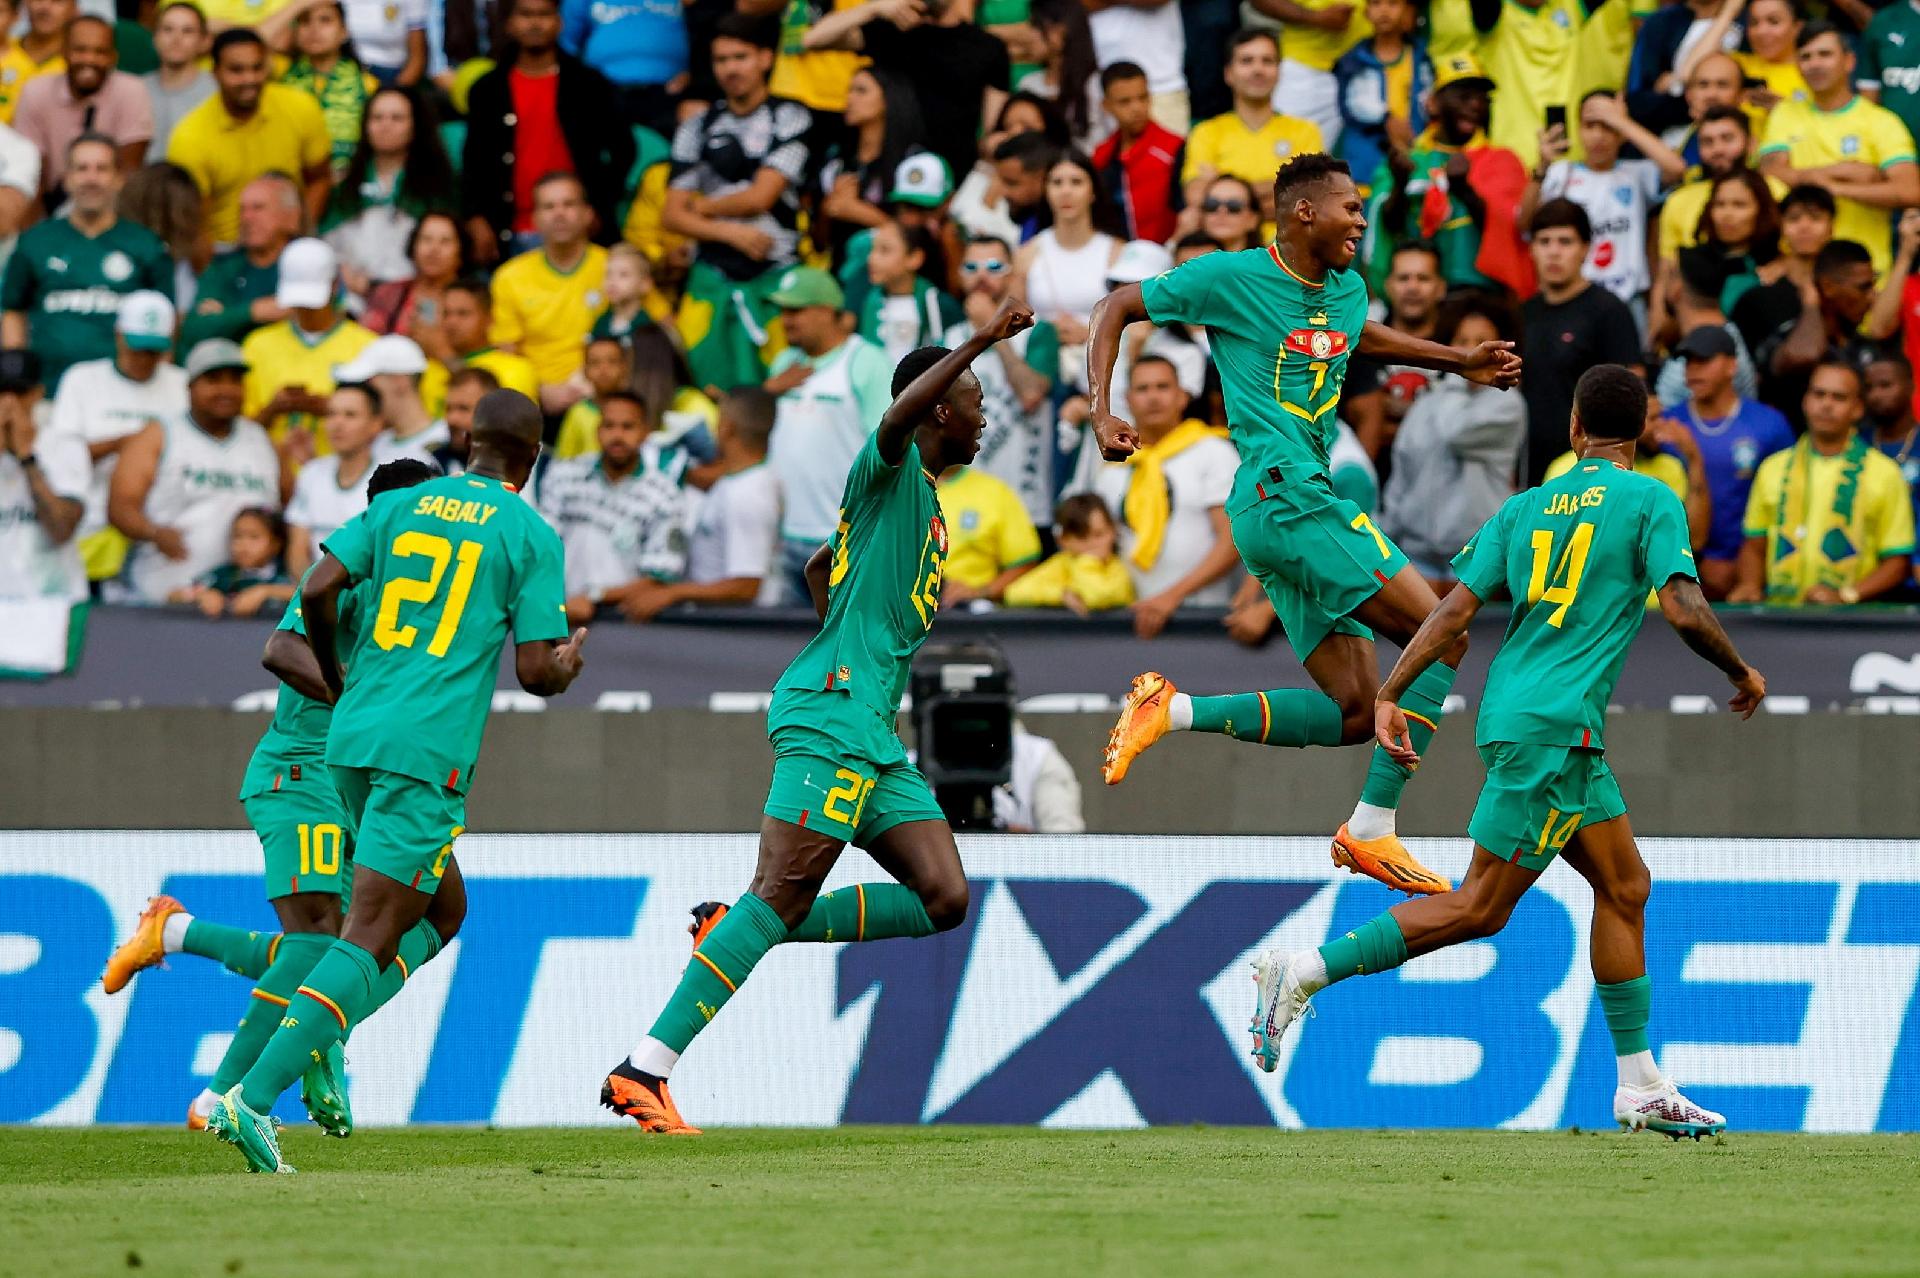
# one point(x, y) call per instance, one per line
point(1138, 162)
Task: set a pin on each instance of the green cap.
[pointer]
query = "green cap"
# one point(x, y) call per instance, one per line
point(807, 286)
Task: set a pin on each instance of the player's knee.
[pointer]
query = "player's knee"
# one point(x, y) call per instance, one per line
point(1483, 916)
point(946, 903)
point(1627, 894)
point(445, 917)
point(790, 898)
point(1356, 720)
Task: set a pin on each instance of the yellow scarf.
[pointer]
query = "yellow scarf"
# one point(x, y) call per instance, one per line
point(1149, 503)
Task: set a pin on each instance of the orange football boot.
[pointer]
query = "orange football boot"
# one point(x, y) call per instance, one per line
point(144, 949)
point(1143, 721)
point(706, 916)
point(1387, 861)
point(645, 1099)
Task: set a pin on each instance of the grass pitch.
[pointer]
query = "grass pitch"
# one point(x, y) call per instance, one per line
point(885, 1201)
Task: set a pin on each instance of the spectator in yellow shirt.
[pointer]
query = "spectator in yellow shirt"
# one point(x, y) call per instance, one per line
point(1829, 521)
point(1252, 140)
point(17, 66)
point(249, 128)
point(466, 319)
point(1316, 34)
point(290, 364)
point(991, 542)
point(1088, 574)
point(546, 299)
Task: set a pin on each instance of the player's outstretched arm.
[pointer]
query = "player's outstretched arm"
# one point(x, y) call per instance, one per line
point(1111, 315)
point(1436, 637)
point(548, 667)
point(1489, 363)
point(1687, 611)
point(913, 404)
point(819, 572)
point(320, 612)
point(291, 661)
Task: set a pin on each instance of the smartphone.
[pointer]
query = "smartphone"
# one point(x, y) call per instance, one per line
point(1753, 82)
point(1557, 117)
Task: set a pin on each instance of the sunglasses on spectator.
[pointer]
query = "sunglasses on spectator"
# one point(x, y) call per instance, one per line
point(1223, 206)
point(995, 267)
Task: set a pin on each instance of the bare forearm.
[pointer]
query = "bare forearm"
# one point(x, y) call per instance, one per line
point(1380, 342)
point(731, 590)
point(1882, 193)
point(749, 201)
point(678, 216)
point(1688, 612)
point(1437, 636)
point(839, 30)
point(1883, 320)
point(291, 661)
point(1030, 387)
point(1886, 576)
point(1111, 315)
point(1804, 345)
point(58, 516)
point(818, 573)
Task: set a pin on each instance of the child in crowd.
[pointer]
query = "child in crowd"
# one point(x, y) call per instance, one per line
point(255, 573)
point(1384, 83)
point(324, 67)
point(905, 309)
point(632, 298)
point(607, 367)
point(1088, 574)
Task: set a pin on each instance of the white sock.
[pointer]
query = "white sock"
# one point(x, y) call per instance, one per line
point(1311, 970)
point(1180, 713)
point(1638, 1070)
point(653, 1057)
point(173, 933)
point(203, 1103)
point(1370, 822)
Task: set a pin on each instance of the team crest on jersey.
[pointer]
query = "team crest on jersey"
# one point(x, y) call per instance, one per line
point(117, 266)
point(938, 527)
point(594, 300)
point(1317, 343)
point(1850, 145)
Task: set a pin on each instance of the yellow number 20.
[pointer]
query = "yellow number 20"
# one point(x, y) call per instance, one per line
point(855, 791)
point(1568, 570)
point(387, 630)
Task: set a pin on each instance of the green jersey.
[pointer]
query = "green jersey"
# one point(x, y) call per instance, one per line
point(1890, 61)
point(1281, 346)
point(70, 286)
point(297, 737)
point(1577, 555)
point(888, 557)
point(450, 566)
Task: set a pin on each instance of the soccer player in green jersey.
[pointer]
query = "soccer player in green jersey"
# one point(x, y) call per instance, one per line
point(449, 568)
point(840, 772)
point(1284, 320)
point(303, 830)
point(1578, 555)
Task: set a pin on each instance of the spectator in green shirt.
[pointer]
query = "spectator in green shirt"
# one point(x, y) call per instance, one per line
point(236, 290)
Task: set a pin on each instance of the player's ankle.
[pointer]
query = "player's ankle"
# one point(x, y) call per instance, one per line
point(1637, 1070)
point(173, 933)
point(653, 1057)
point(1370, 821)
point(1180, 713)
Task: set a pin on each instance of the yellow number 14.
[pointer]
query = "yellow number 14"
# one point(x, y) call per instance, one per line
point(1572, 565)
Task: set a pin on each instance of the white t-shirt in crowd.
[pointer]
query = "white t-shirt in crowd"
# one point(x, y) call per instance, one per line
point(1198, 480)
point(321, 503)
point(20, 170)
point(388, 447)
point(379, 29)
point(1619, 203)
point(1017, 445)
point(1153, 39)
point(200, 485)
point(96, 404)
point(736, 532)
point(818, 428)
point(31, 566)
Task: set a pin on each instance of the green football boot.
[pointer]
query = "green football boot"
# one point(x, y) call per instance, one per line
point(323, 1090)
point(256, 1134)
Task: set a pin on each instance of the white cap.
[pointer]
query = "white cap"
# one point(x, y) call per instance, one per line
point(308, 269)
point(146, 320)
point(1139, 260)
point(390, 354)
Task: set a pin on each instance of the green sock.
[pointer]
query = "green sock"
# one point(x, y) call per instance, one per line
point(1425, 699)
point(293, 959)
point(1374, 946)
point(723, 961)
point(1282, 717)
point(248, 953)
point(322, 1008)
point(1627, 1006)
point(864, 912)
point(417, 948)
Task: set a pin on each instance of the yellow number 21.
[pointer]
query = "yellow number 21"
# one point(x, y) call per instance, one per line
point(387, 630)
point(1567, 571)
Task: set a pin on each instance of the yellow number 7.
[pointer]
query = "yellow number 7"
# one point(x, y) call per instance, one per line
point(1364, 523)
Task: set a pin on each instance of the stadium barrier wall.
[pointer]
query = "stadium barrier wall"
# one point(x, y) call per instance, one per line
point(1098, 982)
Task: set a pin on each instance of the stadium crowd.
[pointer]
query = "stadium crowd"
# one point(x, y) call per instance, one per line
point(255, 247)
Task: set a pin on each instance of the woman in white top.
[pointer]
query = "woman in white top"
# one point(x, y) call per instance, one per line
point(398, 172)
point(1062, 271)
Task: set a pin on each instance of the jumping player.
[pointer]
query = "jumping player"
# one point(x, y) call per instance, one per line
point(308, 853)
point(450, 567)
point(840, 771)
point(1578, 556)
point(1284, 321)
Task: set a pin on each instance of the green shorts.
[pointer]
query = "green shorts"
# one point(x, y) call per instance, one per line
point(1537, 797)
point(838, 767)
point(305, 836)
point(1317, 556)
point(402, 827)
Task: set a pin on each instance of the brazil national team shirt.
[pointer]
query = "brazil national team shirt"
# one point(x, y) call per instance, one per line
point(1281, 345)
point(889, 556)
point(1577, 555)
point(450, 565)
point(297, 737)
point(1732, 449)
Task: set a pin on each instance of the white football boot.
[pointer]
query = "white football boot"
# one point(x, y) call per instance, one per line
point(1279, 1003)
point(1661, 1108)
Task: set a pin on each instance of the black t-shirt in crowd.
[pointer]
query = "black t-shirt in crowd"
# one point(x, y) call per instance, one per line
point(1558, 344)
point(950, 68)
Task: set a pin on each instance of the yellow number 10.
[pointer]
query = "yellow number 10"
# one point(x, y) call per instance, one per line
point(1568, 571)
point(387, 630)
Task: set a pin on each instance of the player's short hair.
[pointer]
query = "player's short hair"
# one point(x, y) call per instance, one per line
point(1845, 365)
point(624, 397)
point(1727, 113)
point(1809, 196)
point(402, 472)
point(1031, 150)
point(234, 37)
point(1075, 515)
point(1298, 176)
point(375, 405)
point(1246, 36)
point(916, 363)
point(751, 410)
point(1562, 214)
point(1118, 71)
point(1610, 401)
point(1821, 27)
point(509, 422)
point(482, 377)
point(1837, 256)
